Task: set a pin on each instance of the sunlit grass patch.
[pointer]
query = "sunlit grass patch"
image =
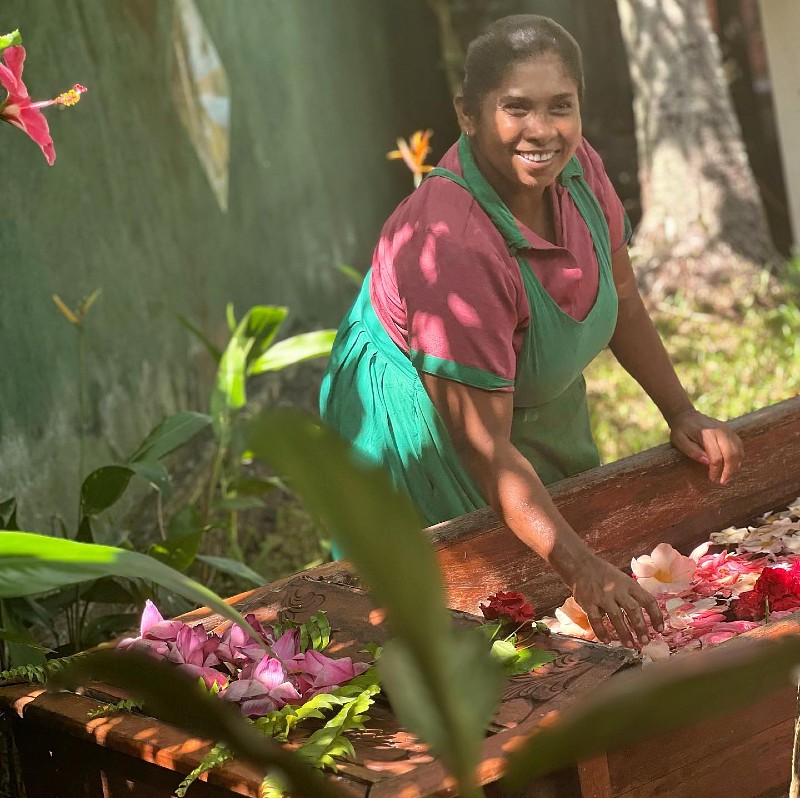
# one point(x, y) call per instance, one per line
point(729, 367)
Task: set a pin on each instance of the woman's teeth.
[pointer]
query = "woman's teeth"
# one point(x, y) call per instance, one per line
point(536, 157)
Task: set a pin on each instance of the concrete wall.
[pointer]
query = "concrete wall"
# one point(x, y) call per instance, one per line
point(781, 22)
point(319, 91)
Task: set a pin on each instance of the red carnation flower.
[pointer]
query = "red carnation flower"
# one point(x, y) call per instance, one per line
point(508, 607)
point(778, 586)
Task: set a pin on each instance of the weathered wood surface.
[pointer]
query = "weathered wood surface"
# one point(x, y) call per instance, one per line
point(625, 509)
point(388, 759)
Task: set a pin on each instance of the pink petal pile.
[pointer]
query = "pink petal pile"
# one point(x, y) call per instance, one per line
point(243, 672)
point(709, 597)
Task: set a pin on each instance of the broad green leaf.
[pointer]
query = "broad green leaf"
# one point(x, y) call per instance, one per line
point(22, 639)
point(153, 472)
point(476, 681)
point(85, 533)
point(12, 39)
point(527, 659)
point(31, 563)
point(634, 705)
point(230, 317)
point(109, 590)
point(233, 568)
point(8, 513)
point(213, 350)
point(381, 532)
point(263, 323)
point(179, 700)
point(504, 651)
point(178, 551)
point(354, 275)
point(229, 392)
point(99, 630)
point(172, 432)
point(294, 350)
point(104, 488)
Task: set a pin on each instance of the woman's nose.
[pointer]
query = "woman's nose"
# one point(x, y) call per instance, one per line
point(540, 126)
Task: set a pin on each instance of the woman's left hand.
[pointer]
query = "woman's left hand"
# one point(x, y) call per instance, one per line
point(709, 441)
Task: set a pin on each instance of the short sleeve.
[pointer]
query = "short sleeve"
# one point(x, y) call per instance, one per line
point(462, 308)
point(619, 225)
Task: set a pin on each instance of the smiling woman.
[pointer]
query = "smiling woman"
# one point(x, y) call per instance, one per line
point(459, 367)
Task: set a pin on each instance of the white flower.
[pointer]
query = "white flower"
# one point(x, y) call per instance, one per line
point(665, 570)
point(730, 536)
point(655, 651)
point(573, 621)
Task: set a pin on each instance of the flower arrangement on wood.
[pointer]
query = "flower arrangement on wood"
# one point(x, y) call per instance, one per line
point(710, 596)
point(292, 681)
point(18, 109)
point(513, 630)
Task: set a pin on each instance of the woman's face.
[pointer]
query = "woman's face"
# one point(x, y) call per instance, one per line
point(527, 128)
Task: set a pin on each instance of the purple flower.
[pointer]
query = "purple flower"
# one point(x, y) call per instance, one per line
point(265, 688)
point(315, 673)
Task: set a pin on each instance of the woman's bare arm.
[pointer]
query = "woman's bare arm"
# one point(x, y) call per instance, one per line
point(479, 424)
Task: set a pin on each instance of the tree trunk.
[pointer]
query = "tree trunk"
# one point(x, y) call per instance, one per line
point(703, 232)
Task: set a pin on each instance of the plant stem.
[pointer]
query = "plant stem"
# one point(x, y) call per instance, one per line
point(81, 412)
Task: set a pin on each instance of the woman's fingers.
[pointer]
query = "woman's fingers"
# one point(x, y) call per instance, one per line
point(691, 449)
point(716, 461)
point(596, 622)
point(648, 601)
point(732, 453)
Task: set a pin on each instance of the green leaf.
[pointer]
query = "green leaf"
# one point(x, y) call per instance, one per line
point(216, 757)
point(294, 350)
point(354, 275)
point(12, 39)
point(176, 699)
point(635, 705)
point(230, 317)
point(213, 350)
point(104, 488)
point(504, 651)
point(527, 659)
point(172, 432)
point(315, 632)
point(233, 568)
point(353, 501)
point(8, 514)
point(85, 533)
point(23, 639)
point(125, 705)
point(263, 323)
point(153, 472)
point(179, 551)
point(31, 563)
point(476, 681)
point(99, 630)
point(109, 591)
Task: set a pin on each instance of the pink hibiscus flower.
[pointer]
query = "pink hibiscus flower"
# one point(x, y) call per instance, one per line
point(18, 109)
point(315, 673)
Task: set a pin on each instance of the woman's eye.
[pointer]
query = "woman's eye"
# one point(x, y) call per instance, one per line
point(563, 107)
point(515, 109)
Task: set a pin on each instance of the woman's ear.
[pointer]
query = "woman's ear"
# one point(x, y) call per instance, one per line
point(464, 120)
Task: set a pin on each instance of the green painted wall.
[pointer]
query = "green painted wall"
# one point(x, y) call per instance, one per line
point(319, 88)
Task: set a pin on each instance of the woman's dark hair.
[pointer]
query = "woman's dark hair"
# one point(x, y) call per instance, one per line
point(509, 40)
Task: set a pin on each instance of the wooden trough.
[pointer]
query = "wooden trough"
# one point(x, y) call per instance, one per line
point(623, 510)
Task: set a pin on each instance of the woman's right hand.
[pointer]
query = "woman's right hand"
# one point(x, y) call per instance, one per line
point(601, 589)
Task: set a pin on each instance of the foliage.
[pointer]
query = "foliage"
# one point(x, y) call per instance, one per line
point(250, 351)
point(729, 366)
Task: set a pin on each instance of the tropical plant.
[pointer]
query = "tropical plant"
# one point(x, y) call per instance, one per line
point(251, 350)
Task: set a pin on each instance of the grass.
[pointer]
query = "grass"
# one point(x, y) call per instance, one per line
point(728, 366)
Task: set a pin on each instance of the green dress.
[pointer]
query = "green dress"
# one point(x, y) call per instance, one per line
point(373, 395)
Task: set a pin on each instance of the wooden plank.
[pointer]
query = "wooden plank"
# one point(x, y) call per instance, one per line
point(625, 509)
point(595, 778)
